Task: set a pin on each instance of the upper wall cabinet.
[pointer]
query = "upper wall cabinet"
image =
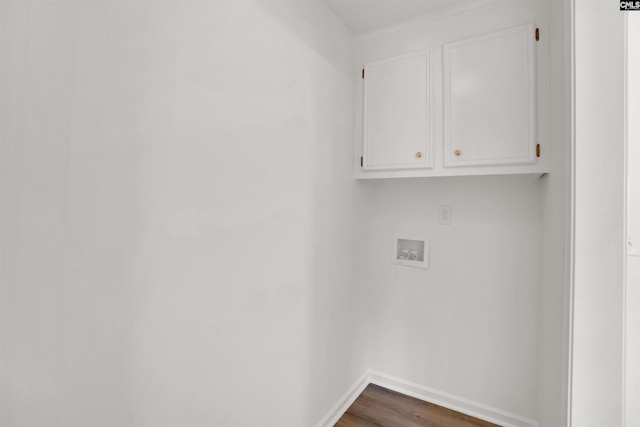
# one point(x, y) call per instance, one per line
point(464, 106)
point(489, 99)
point(397, 113)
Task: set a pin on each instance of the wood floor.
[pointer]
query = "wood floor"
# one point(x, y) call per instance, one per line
point(380, 407)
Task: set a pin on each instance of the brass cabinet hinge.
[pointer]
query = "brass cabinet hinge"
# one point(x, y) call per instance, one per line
point(361, 161)
point(363, 73)
point(538, 150)
point(537, 34)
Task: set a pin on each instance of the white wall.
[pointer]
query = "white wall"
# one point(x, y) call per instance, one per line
point(553, 315)
point(177, 207)
point(487, 321)
point(599, 221)
point(468, 325)
point(633, 224)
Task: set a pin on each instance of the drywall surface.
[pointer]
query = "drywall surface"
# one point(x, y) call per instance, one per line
point(599, 221)
point(487, 321)
point(177, 207)
point(553, 338)
point(632, 367)
point(467, 325)
point(632, 412)
point(632, 326)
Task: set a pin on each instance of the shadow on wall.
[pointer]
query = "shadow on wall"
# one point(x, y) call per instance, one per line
point(334, 206)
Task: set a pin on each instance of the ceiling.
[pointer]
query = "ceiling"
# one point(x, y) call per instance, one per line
point(361, 16)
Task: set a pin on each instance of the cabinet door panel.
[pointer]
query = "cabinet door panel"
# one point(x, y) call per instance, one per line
point(397, 128)
point(489, 99)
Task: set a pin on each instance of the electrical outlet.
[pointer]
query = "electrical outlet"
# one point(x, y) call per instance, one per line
point(444, 215)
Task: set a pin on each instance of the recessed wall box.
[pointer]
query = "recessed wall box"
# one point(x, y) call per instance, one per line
point(411, 251)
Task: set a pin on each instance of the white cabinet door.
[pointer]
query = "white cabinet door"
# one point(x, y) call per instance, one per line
point(489, 99)
point(397, 113)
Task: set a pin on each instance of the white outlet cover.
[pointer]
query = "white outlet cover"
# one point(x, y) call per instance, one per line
point(444, 215)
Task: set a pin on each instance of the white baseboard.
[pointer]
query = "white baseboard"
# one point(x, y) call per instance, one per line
point(428, 394)
point(345, 401)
